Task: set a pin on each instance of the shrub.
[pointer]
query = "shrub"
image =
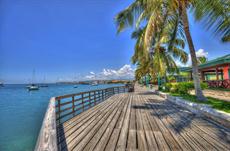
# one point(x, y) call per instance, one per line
point(184, 87)
point(167, 86)
point(181, 87)
point(203, 85)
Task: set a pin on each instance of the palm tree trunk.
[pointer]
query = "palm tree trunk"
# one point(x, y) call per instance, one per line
point(196, 78)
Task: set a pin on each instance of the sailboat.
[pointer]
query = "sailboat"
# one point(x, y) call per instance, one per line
point(32, 86)
point(75, 85)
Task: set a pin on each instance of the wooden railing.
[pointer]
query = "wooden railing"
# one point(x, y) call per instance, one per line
point(68, 106)
point(219, 83)
point(63, 108)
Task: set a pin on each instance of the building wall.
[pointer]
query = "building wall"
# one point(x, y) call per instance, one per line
point(226, 72)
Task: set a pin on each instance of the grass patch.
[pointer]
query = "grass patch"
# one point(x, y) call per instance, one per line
point(213, 102)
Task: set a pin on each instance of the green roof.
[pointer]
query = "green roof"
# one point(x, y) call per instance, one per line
point(185, 69)
point(218, 61)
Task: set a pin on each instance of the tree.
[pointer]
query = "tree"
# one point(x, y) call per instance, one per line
point(156, 13)
point(161, 59)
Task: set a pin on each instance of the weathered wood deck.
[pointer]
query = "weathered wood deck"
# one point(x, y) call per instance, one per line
point(140, 121)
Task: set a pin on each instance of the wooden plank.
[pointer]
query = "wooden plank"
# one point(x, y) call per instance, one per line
point(171, 136)
point(161, 141)
point(194, 144)
point(152, 145)
point(132, 137)
point(76, 137)
point(121, 144)
point(113, 140)
point(132, 140)
point(104, 131)
point(171, 139)
point(94, 134)
point(116, 132)
point(108, 133)
point(142, 143)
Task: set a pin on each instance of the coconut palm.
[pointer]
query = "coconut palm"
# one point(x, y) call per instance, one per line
point(160, 13)
point(161, 60)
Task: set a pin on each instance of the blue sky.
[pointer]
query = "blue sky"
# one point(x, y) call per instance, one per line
point(71, 38)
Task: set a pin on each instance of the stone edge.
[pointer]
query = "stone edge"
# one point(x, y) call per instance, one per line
point(47, 139)
point(200, 109)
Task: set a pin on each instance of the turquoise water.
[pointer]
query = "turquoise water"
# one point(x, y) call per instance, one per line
point(22, 112)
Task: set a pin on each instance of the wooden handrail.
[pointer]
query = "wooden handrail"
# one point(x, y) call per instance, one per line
point(59, 109)
point(66, 104)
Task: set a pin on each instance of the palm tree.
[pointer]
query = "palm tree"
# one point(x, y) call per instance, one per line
point(156, 13)
point(161, 59)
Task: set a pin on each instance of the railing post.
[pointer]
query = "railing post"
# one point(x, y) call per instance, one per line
point(103, 97)
point(73, 105)
point(59, 111)
point(90, 99)
point(82, 101)
point(94, 96)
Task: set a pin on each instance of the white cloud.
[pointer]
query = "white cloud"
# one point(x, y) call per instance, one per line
point(90, 77)
point(199, 53)
point(125, 72)
point(92, 73)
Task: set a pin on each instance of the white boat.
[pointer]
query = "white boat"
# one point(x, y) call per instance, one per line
point(33, 87)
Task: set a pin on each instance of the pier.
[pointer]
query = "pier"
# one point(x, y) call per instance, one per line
point(117, 119)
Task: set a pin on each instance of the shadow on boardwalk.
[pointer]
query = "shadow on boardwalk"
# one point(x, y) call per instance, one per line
point(182, 120)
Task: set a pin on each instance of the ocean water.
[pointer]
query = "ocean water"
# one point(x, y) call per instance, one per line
point(22, 112)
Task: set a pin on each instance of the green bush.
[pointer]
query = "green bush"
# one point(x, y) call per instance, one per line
point(167, 86)
point(203, 85)
point(181, 87)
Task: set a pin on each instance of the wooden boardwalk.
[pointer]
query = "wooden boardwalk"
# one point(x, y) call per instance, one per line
point(140, 121)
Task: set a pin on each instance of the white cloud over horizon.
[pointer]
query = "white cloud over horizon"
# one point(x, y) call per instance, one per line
point(200, 53)
point(125, 72)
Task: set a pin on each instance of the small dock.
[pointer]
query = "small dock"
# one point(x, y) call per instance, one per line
point(136, 121)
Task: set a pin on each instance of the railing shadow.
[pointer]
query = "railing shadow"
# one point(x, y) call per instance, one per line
point(180, 119)
point(61, 140)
